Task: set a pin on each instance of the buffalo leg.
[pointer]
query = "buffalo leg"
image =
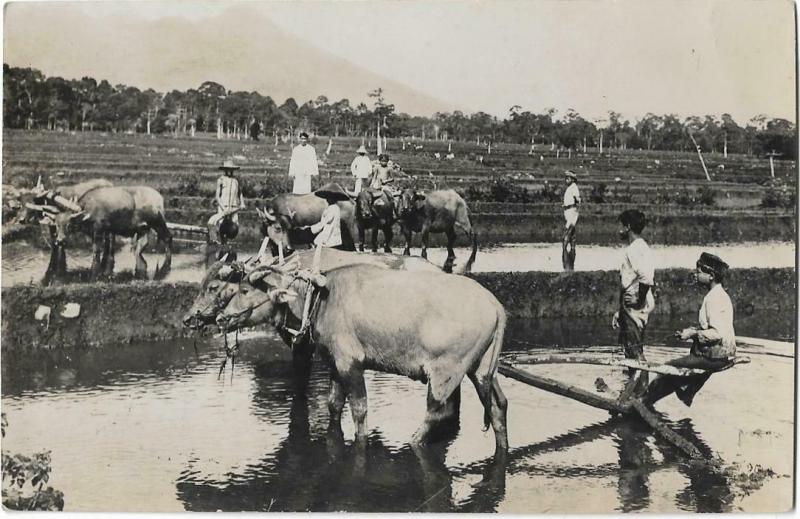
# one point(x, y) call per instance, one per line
point(302, 354)
point(388, 234)
point(375, 231)
point(361, 232)
point(441, 418)
point(336, 399)
point(358, 402)
point(98, 243)
point(407, 234)
point(494, 401)
point(424, 236)
point(451, 255)
point(164, 236)
point(141, 263)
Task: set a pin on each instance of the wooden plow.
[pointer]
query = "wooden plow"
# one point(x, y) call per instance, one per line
point(627, 403)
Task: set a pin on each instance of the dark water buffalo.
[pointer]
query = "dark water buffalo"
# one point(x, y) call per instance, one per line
point(129, 211)
point(437, 211)
point(285, 213)
point(221, 281)
point(378, 215)
point(408, 323)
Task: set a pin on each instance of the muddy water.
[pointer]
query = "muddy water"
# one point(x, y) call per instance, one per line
point(150, 427)
point(24, 264)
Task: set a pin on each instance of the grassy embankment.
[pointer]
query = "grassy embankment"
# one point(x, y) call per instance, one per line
point(120, 313)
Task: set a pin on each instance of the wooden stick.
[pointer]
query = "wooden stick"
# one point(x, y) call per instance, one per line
point(558, 388)
point(667, 433)
point(702, 162)
point(663, 369)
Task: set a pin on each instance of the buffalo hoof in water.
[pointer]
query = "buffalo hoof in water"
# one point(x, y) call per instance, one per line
point(424, 254)
point(406, 252)
point(387, 249)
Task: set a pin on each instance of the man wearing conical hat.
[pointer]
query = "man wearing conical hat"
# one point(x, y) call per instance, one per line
point(361, 167)
point(229, 198)
point(329, 227)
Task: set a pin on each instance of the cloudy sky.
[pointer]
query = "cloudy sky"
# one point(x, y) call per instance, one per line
point(662, 56)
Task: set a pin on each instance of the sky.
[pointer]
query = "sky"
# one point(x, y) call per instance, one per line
point(689, 57)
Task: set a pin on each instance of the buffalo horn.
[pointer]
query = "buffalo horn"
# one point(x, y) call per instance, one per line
point(269, 216)
point(65, 203)
point(42, 208)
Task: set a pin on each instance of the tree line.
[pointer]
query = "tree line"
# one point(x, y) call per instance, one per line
point(33, 101)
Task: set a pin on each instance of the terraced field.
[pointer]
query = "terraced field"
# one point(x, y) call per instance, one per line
point(663, 184)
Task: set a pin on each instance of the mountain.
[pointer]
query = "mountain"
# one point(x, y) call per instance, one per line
point(237, 48)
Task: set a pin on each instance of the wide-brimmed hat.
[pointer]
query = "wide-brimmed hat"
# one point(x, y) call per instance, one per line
point(228, 164)
point(332, 190)
point(712, 264)
point(383, 156)
point(361, 149)
point(570, 174)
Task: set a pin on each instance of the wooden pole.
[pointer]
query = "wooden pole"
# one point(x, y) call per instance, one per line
point(699, 154)
point(558, 388)
point(667, 433)
point(653, 367)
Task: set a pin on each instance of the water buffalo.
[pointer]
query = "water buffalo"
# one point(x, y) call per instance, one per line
point(76, 191)
point(378, 215)
point(407, 323)
point(221, 281)
point(129, 211)
point(438, 211)
point(285, 213)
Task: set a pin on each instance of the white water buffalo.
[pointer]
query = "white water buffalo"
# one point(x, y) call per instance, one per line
point(407, 323)
point(376, 214)
point(285, 213)
point(129, 211)
point(221, 281)
point(438, 211)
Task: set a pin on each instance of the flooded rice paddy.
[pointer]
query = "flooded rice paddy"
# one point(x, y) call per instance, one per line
point(150, 427)
point(25, 264)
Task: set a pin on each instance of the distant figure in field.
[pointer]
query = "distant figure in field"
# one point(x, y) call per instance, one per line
point(713, 339)
point(361, 167)
point(255, 130)
point(572, 198)
point(303, 165)
point(230, 201)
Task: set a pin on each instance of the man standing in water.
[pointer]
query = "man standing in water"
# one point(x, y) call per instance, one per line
point(230, 201)
point(303, 165)
point(572, 198)
point(636, 299)
point(713, 339)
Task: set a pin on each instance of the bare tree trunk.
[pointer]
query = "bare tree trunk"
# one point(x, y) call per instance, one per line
point(601, 142)
point(725, 147)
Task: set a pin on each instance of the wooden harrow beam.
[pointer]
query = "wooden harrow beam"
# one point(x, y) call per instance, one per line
point(627, 403)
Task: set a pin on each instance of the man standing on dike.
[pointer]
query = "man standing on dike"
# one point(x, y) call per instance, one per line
point(572, 198)
point(230, 201)
point(303, 165)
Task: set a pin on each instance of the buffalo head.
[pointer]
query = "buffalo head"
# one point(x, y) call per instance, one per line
point(411, 200)
point(63, 221)
point(260, 296)
point(218, 287)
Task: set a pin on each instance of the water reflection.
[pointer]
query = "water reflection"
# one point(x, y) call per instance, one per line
point(322, 472)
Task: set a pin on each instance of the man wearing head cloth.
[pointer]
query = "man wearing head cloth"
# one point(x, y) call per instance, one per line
point(572, 198)
point(361, 167)
point(636, 300)
point(303, 165)
point(713, 338)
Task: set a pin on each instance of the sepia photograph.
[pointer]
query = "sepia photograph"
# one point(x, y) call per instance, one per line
point(417, 256)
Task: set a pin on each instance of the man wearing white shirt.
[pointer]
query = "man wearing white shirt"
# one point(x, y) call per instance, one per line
point(636, 275)
point(572, 198)
point(713, 339)
point(303, 165)
point(361, 167)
